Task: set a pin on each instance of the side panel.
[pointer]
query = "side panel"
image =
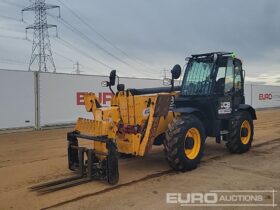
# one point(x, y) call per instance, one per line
point(265, 96)
point(247, 93)
point(17, 96)
point(61, 95)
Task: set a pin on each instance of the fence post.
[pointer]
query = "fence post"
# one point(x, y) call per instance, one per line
point(251, 94)
point(37, 99)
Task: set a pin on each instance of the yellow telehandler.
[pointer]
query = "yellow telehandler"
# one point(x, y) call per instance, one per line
point(210, 102)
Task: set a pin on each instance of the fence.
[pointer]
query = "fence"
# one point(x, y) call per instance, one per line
point(33, 99)
point(17, 104)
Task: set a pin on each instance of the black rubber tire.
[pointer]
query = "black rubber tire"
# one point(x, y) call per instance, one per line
point(159, 139)
point(174, 143)
point(235, 144)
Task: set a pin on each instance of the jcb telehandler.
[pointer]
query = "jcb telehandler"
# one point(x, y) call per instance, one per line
point(209, 103)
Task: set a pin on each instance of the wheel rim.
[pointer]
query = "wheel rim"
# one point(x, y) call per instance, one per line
point(192, 153)
point(247, 126)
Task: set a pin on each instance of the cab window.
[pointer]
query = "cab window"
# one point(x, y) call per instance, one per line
point(229, 77)
point(237, 80)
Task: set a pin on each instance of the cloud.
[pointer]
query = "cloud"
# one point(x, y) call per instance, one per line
point(268, 79)
point(161, 33)
point(255, 83)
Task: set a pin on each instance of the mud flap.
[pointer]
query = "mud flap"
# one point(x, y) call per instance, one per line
point(112, 169)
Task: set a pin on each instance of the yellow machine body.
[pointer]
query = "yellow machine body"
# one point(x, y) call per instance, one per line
point(133, 122)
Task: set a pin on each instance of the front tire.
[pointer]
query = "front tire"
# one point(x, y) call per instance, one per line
point(242, 133)
point(184, 143)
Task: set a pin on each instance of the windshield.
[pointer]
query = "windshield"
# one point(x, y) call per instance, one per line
point(197, 79)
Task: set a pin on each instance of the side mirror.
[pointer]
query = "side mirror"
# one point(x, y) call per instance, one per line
point(167, 82)
point(120, 87)
point(104, 84)
point(187, 59)
point(176, 71)
point(215, 57)
point(112, 77)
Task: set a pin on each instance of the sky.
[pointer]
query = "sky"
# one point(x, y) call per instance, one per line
point(144, 38)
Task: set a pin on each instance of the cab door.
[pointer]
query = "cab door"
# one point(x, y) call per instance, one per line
point(226, 87)
point(238, 95)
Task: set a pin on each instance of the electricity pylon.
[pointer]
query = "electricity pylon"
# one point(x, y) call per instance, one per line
point(41, 55)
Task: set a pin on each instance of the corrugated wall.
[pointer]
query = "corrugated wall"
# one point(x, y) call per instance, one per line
point(60, 96)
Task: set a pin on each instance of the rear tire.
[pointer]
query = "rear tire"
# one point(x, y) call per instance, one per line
point(184, 143)
point(237, 143)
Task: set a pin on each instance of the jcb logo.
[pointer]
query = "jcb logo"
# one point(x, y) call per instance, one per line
point(266, 96)
point(104, 98)
point(225, 105)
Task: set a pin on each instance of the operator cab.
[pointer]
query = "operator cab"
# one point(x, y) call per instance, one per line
point(217, 75)
point(213, 84)
point(211, 104)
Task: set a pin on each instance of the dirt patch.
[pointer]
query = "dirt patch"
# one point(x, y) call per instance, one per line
point(29, 158)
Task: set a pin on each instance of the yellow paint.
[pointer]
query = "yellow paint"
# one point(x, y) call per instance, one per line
point(194, 151)
point(128, 110)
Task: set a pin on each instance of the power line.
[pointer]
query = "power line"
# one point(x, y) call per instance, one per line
point(85, 54)
point(78, 71)
point(13, 3)
point(12, 37)
point(61, 67)
point(83, 36)
point(65, 42)
point(80, 34)
point(88, 67)
point(63, 56)
point(102, 36)
point(12, 61)
point(11, 29)
point(69, 45)
point(10, 18)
